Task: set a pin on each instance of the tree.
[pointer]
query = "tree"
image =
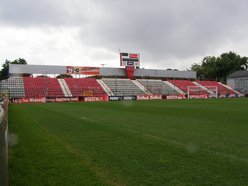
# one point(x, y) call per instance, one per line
point(4, 73)
point(61, 76)
point(43, 76)
point(198, 68)
point(218, 68)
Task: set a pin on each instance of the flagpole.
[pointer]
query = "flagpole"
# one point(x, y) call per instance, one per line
point(120, 57)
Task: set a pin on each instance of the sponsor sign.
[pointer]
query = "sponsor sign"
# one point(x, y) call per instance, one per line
point(62, 99)
point(129, 97)
point(30, 100)
point(202, 96)
point(17, 100)
point(172, 97)
point(120, 98)
point(143, 97)
point(82, 70)
point(155, 96)
point(74, 99)
point(115, 98)
point(93, 99)
point(181, 96)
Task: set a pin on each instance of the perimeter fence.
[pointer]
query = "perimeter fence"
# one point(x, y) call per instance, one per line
point(4, 142)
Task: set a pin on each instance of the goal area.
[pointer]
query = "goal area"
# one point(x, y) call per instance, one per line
point(199, 92)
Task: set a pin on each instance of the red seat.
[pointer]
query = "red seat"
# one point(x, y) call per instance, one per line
point(42, 87)
point(184, 84)
point(222, 90)
point(78, 86)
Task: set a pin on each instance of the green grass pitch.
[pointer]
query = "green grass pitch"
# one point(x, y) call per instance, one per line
point(166, 142)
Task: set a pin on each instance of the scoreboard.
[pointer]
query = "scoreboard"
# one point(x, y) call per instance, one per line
point(130, 59)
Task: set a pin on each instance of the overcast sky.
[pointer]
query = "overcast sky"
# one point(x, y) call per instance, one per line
point(167, 34)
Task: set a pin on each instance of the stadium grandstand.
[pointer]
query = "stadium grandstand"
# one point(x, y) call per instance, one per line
point(146, 84)
point(128, 82)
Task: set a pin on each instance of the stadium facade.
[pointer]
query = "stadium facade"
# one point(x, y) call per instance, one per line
point(239, 81)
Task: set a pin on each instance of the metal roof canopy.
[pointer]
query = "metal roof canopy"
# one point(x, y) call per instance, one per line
point(36, 69)
point(15, 69)
point(238, 74)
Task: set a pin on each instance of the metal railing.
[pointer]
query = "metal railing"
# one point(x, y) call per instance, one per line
point(4, 143)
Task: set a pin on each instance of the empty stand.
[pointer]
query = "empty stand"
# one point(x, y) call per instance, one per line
point(105, 87)
point(64, 88)
point(4, 87)
point(84, 87)
point(42, 87)
point(13, 87)
point(123, 87)
point(184, 84)
point(157, 87)
point(222, 90)
point(29, 87)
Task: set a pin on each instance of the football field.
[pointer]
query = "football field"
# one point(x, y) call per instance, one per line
point(161, 142)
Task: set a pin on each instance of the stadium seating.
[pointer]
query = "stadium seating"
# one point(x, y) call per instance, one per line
point(223, 91)
point(29, 87)
point(123, 87)
point(82, 86)
point(42, 87)
point(13, 87)
point(157, 87)
point(4, 87)
point(184, 84)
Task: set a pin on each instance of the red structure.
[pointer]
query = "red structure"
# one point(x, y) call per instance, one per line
point(130, 72)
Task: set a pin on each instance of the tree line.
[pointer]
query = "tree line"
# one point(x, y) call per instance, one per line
point(4, 73)
point(218, 68)
point(210, 68)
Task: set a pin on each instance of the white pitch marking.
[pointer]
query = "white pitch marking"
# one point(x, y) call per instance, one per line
point(87, 119)
point(185, 146)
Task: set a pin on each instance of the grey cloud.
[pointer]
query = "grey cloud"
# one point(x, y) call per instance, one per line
point(159, 29)
point(167, 28)
point(45, 12)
